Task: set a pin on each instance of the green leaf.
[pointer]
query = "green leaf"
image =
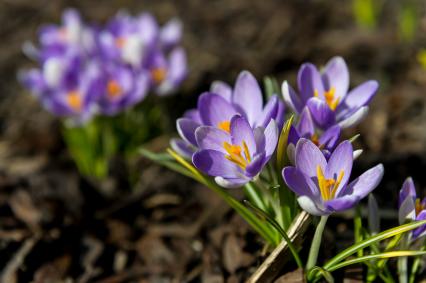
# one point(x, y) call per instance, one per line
point(282, 143)
point(362, 259)
point(319, 270)
point(374, 239)
point(271, 86)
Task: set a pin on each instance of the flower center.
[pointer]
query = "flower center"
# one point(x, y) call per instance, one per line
point(235, 154)
point(225, 126)
point(113, 89)
point(120, 42)
point(419, 206)
point(328, 187)
point(329, 98)
point(315, 139)
point(74, 100)
point(158, 75)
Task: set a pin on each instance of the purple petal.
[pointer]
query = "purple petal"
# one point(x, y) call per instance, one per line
point(361, 95)
point(354, 118)
point(299, 183)
point(340, 160)
point(182, 147)
point(186, 129)
point(259, 137)
point(241, 132)
point(293, 136)
point(306, 127)
point(311, 207)
point(308, 157)
point(209, 137)
point(342, 203)
point(279, 118)
point(330, 137)
point(231, 183)
point(336, 75)
point(291, 98)
point(321, 113)
point(365, 183)
point(214, 163)
point(268, 113)
point(223, 89)
point(214, 109)
point(171, 32)
point(247, 96)
point(419, 232)
point(407, 211)
point(256, 165)
point(408, 190)
point(271, 138)
point(193, 114)
point(309, 80)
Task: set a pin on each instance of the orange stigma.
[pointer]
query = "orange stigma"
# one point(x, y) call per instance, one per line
point(113, 89)
point(158, 75)
point(74, 100)
point(225, 126)
point(329, 98)
point(419, 206)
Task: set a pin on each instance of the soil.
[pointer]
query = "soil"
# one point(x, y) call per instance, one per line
point(56, 226)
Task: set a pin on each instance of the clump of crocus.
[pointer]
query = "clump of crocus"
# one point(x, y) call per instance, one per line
point(216, 108)
point(237, 156)
point(411, 208)
point(327, 97)
point(84, 71)
point(322, 186)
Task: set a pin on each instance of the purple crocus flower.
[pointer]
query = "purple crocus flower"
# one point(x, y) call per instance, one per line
point(305, 128)
point(167, 72)
point(322, 186)
point(216, 108)
point(123, 88)
point(128, 39)
point(236, 157)
point(327, 97)
point(411, 208)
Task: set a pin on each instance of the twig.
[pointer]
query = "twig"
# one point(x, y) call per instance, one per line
point(17, 260)
point(274, 263)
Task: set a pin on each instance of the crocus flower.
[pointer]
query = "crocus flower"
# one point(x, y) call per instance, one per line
point(216, 108)
point(167, 72)
point(322, 186)
point(327, 97)
point(411, 207)
point(123, 88)
point(305, 128)
point(237, 156)
point(128, 39)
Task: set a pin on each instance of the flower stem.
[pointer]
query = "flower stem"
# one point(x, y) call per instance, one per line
point(316, 243)
point(402, 262)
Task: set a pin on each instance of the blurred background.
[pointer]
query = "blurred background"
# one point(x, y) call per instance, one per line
point(55, 225)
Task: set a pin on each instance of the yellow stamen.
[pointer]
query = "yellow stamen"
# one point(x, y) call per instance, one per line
point(113, 89)
point(329, 98)
point(225, 126)
point(328, 187)
point(315, 139)
point(158, 75)
point(74, 100)
point(246, 152)
point(234, 154)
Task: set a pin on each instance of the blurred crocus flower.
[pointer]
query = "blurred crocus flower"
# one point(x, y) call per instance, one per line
point(237, 156)
point(216, 108)
point(305, 128)
point(327, 97)
point(128, 39)
point(122, 88)
point(411, 207)
point(167, 72)
point(322, 186)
